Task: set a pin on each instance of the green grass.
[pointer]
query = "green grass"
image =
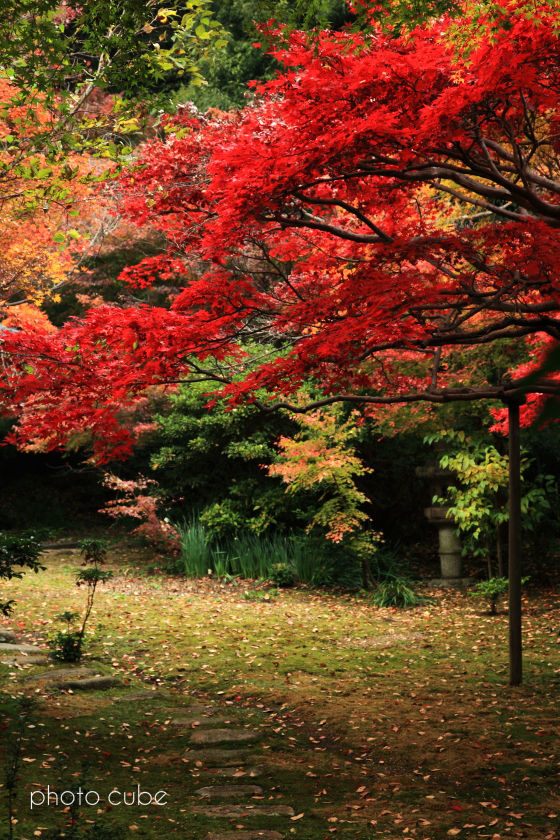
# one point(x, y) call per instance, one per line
point(404, 719)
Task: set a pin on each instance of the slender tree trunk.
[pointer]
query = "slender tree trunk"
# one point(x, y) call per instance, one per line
point(89, 607)
point(367, 576)
point(514, 547)
point(499, 551)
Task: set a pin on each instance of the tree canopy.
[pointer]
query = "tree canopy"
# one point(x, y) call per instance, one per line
point(387, 205)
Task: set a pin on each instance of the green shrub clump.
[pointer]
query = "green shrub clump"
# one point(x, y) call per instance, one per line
point(17, 551)
point(283, 575)
point(66, 646)
point(493, 590)
point(396, 592)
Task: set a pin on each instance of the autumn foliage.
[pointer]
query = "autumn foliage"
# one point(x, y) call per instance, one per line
point(32, 264)
point(386, 206)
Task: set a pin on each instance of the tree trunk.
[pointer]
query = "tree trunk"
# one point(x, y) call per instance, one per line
point(499, 551)
point(514, 547)
point(367, 575)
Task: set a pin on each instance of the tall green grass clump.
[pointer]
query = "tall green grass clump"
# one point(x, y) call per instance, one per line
point(396, 592)
point(285, 559)
point(254, 555)
point(197, 554)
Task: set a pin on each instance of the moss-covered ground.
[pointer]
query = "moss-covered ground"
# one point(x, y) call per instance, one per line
point(373, 723)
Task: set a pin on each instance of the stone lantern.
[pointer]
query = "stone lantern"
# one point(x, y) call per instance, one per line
point(450, 558)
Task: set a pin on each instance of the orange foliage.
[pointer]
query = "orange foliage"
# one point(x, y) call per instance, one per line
point(28, 317)
point(37, 196)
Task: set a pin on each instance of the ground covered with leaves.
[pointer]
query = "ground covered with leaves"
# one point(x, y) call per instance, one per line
point(372, 722)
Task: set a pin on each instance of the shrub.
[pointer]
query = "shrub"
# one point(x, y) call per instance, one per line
point(139, 501)
point(93, 551)
point(477, 502)
point(260, 595)
point(387, 563)
point(396, 592)
point(17, 551)
point(67, 646)
point(493, 590)
point(283, 575)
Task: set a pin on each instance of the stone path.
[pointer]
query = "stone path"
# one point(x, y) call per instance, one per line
point(229, 791)
point(234, 772)
point(222, 736)
point(226, 758)
point(223, 771)
point(229, 768)
point(244, 810)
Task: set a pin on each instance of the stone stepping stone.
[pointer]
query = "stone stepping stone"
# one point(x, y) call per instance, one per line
point(6, 647)
point(89, 683)
point(243, 811)
point(56, 546)
point(13, 654)
point(76, 679)
point(234, 772)
point(24, 659)
point(217, 736)
point(55, 674)
point(7, 635)
point(195, 709)
point(228, 791)
point(200, 719)
point(257, 834)
point(218, 756)
point(146, 694)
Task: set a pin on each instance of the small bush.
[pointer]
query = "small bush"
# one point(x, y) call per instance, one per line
point(396, 592)
point(222, 564)
point(315, 561)
point(67, 646)
point(17, 551)
point(260, 595)
point(493, 590)
point(253, 556)
point(93, 551)
point(283, 575)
